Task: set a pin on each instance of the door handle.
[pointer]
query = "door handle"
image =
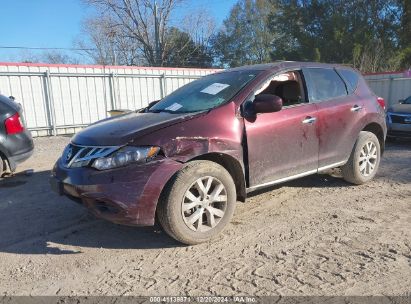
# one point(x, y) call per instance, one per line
point(356, 108)
point(309, 120)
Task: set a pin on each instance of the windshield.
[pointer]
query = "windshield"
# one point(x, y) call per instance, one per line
point(407, 101)
point(205, 93)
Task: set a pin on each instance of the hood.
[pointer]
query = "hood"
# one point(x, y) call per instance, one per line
point(122, 129)
point(400, 108)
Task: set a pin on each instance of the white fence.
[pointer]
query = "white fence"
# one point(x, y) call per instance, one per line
point(391, 86)
point(60, 99)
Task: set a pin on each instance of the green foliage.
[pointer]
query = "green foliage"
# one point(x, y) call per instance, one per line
point(370, 35)
point(363, 33)
point(245, 37)
point(185, 52)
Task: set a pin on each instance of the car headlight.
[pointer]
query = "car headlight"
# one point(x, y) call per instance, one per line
point(126, 156)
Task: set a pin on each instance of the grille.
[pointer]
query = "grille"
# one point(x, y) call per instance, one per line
point(80, 156)
point(401, 119)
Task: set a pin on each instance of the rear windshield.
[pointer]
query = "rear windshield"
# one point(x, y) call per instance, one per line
point(205, 93)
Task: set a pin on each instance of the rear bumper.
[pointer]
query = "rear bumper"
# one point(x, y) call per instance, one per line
point(17, 148)
point(17, 159)
point(127, 195)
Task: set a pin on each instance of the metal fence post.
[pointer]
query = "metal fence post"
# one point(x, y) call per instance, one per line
point(390, 91)
point(48, 93)
point(163, 85)
point(112, 91)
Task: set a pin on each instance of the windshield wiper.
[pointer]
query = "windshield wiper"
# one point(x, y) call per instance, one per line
point(161, 110)
point(172, 112)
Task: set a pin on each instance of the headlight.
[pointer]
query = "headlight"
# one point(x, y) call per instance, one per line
point(126, 156)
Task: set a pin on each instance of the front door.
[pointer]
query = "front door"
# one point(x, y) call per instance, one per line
point(283, 144)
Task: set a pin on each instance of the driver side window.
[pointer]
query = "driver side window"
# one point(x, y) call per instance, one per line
point(288, 86)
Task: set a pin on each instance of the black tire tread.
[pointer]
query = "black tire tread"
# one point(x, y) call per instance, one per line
point(163, 207)
point(2, 166)
point(349, 172)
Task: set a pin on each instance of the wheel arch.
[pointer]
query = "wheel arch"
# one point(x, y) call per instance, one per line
point(5, 160)
point(378, 131)
point(233, 167)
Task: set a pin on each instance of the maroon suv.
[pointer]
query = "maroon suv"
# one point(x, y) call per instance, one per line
point(189, 157)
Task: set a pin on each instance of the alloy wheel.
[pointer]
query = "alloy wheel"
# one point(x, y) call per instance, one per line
point(368, 158)
point(204, 204)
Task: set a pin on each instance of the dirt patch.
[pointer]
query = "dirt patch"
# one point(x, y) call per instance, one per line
point(313, 236)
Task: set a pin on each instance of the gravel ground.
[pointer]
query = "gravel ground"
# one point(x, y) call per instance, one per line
point(314, 236)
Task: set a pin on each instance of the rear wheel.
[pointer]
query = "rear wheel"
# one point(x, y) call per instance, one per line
point(197, 203)
point(2, 166)
point(364, 159)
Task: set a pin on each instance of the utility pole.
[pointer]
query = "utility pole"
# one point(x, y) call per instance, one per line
point(112, 34)
point(156, 35)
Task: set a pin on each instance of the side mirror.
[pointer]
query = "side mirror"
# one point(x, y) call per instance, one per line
point(150, 104)
point(267, 103)
point(12, 97)
point(401, 101)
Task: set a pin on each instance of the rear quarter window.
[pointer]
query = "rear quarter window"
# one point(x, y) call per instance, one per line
point(351, 78)
point(324, 84)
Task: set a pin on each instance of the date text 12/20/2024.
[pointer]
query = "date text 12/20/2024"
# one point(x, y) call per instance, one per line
point(207, 299)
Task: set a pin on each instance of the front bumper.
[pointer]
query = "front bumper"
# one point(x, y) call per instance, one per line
point(126, 195)
point(399, 125)
point(399, 130)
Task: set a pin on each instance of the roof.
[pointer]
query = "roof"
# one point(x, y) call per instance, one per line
point(287, 64)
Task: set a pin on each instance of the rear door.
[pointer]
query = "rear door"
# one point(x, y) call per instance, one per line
point(339, 111)
point(282, 144)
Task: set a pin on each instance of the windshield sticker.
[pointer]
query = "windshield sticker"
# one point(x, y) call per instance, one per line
point(174, 107)
point(215, 88)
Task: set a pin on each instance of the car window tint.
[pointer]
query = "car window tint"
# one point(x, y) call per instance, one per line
point(351, 78)
point(324, 84)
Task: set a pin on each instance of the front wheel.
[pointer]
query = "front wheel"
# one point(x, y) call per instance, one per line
point(197, 203)
point(364, 159)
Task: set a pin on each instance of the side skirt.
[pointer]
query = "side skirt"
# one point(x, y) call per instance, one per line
point(285, 179)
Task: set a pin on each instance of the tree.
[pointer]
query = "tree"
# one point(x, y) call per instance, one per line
point(57, 57)
point(48, 56)
point(404, 54)
point(245, 37)
point(145, 21)
point(139, 32)
point(363, 33)
point(105, 45)
point(185, 52)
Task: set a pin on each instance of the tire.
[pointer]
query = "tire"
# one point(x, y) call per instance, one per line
point(200, 221)
point(364, 159)
point(2, 166)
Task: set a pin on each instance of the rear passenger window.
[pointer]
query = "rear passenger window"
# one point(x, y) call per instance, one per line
point(351, 78)
point(324, 84)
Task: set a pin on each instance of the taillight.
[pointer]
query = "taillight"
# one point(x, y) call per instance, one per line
point(381, 101)
point(14, 124)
